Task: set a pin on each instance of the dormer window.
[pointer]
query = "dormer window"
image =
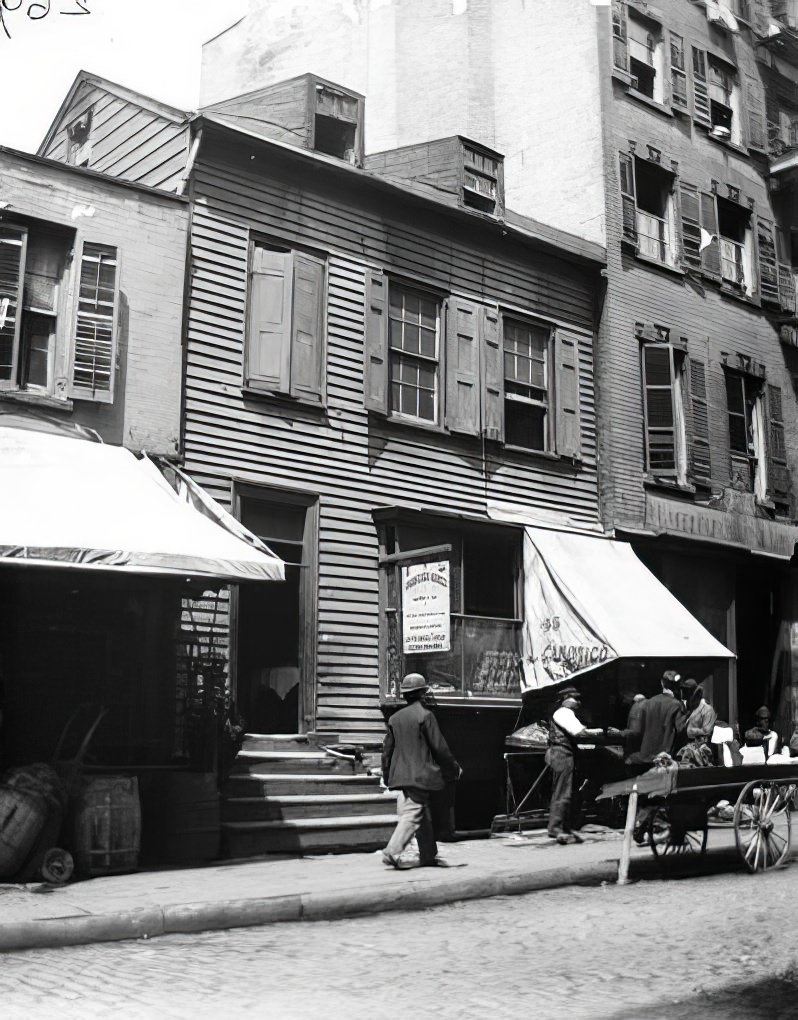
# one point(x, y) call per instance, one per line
point(483, 180)
point(79, 140)
point(338, 124)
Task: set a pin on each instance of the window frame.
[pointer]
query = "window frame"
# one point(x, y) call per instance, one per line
point(472, 161)
point(658, 62)
point(754, 424)
point(678, 387)
point(317, 85)
point(77, 391)
point(429, 294)
point(548, 405)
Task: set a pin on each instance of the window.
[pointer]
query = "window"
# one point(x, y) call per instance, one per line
point(678, 73)
point(527, 360)
point(646, 57)
point(285, 340)
point(485, 575)
point(744, 399)
point(414, 337)
point(734, 238)
point(648, 208)
point(724, 102)
point(79, 139)
point(482, 180)
point(34, 313)
point(337, 124)
point(664, 411)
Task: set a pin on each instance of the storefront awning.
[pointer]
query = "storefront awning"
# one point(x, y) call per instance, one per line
point(590, 600)
point(69, 502)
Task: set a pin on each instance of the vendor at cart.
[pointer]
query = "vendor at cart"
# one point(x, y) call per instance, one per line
point(565, 734)
point(762, 734)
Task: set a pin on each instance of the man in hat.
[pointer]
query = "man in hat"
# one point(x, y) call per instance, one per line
point(762, 734)
point(702, 717)
point(656, 727)
point(416, 761)
point(565, 734)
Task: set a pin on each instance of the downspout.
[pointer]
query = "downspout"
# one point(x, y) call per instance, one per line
point(187, 183)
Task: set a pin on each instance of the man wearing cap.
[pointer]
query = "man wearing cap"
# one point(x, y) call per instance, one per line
point(702, 717)
point(656, 727)
point(762, 735)
point(565, 734)
point(416, 761)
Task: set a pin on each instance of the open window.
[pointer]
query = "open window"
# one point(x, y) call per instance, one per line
point(664, 411)
point(647, 191)
point(79, 139)
point(338, 124)
point(646, 57)
point(483, 184)
point(716, 96)
point(736, 245)
point(747, 428)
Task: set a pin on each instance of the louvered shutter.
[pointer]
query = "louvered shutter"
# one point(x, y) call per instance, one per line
point(658, 411)
point(690, 218)
point(94, 348)
point(768, 266)
point(700, 87)
point(307, 329)
point(620, 41)
point(268, 358)
point(754, 120)
point(566, 355)
point(710, 252)
point(678, 73)
point(492, 374)
point(786, 288)
point(13, 244)
point(628, 203)
point(375, 342)
point(462, 366)
point(778, 472)
point(699, 460)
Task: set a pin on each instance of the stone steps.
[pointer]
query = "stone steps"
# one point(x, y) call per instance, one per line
point(279, 784)
point(292, 807)
point(336, 834)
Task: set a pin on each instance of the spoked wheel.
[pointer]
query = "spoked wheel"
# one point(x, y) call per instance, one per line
point(762, 824)
point(667, 840)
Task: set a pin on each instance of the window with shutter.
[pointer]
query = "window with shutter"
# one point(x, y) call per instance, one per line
point(735, 245)
point(646, 51)
point(755, 113)
point(628, 200)
point(528, 387)
point(779, 487)
point(94, 353)
point(285, 334)
point(13, 241)
point(620, 41)
point(724, 101)
point(414, 329)
point(699, 455)
point(678, 73)
point(768, 266)
point(663, 412)
point(690, 217)
point(746, 417)
point(654, 187)
point(700, 88)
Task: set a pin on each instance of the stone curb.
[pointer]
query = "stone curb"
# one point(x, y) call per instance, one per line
point(149, 922)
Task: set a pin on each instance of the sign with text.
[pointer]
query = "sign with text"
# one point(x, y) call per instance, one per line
point(426, 620)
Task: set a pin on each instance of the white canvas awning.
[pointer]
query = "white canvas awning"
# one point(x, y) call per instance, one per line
point(589, 600)
point(73, 503)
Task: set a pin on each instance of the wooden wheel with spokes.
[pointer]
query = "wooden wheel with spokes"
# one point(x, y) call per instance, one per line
point(668, 840)
point(762, 824)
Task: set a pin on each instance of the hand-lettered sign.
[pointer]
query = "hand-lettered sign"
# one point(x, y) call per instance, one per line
point(426, 621)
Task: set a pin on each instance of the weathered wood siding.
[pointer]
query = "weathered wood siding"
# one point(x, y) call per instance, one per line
point(150, 232)
point(355, 462)
point(279, 112)
point(127, 140)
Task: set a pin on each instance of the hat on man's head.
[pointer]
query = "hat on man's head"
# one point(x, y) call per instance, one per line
point(414, 682)
point(670, 677)
point(763, 711)
point(568, 692)
point(689, 684)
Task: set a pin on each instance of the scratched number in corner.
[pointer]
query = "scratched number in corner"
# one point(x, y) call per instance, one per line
point(36, 10)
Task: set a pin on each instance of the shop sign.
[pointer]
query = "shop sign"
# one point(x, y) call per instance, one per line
point(426, 620)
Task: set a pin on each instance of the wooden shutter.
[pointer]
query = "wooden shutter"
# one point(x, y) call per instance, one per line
point(754, 120)
point(307, 329)
point(786, 287)
point(13, 245)
point(659, 414)
point(699, 460)
point(94, 349)
point(768, 265)
point(462, 366)
point(492, 374)
point(678, 73)
point(778, 477)
point(568, 440)
point(620, 40)
point(710, 253)
point(690, 219)
point(375, 343)
point(700, 87)
point(628, 202)
point(268, 360)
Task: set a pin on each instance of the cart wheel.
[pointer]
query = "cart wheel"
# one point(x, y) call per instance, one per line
point(57, 866)
point(667, 841)
point(762, 824)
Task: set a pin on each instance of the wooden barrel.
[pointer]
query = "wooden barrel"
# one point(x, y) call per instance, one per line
point(182, 818)
point(106, 826)
point(22, 818)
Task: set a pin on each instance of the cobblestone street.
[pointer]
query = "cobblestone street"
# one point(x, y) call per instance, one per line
point(720, 947)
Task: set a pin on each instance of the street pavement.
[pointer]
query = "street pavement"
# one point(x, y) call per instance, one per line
point(716, 947)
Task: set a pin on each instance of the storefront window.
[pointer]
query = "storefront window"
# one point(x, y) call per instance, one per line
point(484, 628)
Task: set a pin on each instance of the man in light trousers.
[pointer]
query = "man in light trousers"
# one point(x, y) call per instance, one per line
point(416, 761)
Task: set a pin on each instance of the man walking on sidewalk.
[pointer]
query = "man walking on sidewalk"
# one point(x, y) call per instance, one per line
point(416, 761)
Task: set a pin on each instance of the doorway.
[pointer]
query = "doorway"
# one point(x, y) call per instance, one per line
point(275, 622)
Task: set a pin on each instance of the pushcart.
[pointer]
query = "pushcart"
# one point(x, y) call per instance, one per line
point(676, 804)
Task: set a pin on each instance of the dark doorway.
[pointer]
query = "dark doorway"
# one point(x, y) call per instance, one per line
point(271, 659)
point(758, 614)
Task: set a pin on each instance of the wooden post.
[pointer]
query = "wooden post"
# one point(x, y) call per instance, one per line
point(626, 850)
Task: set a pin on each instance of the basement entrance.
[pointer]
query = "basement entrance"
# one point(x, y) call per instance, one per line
point(274, 677)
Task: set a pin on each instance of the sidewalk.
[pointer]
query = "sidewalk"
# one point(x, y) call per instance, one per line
point(259, 891)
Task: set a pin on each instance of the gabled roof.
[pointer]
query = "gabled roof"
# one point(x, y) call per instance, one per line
point(129, 95)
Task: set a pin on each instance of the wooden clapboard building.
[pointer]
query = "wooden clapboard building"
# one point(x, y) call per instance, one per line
point(382, 366)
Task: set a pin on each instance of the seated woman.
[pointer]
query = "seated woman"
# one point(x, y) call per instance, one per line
point(761, 735)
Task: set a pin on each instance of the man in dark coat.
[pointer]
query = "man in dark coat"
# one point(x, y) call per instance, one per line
point(416, 761)
point(656, 727)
